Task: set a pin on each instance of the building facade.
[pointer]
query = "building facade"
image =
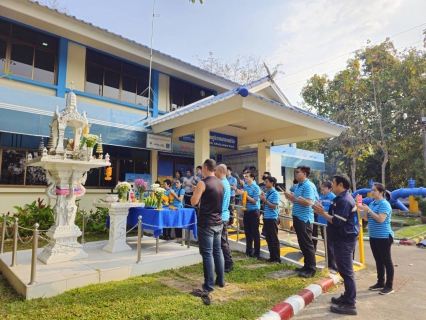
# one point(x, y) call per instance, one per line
point(45, 54)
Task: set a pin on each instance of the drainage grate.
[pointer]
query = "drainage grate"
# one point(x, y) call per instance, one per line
point(399, 282)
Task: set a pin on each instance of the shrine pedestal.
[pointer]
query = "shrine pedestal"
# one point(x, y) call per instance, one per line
point(118, 213)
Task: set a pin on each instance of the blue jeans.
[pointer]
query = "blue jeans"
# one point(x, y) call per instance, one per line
point(209, 242)
point(343, 252)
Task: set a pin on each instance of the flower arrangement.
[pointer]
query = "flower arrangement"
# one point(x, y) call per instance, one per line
point(91, 140)
point(158, 194)
point(122, 189)
point(142, 186)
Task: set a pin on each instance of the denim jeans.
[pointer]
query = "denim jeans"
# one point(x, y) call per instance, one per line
point(209, 242)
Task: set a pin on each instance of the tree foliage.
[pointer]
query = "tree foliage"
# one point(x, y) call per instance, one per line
point(243, 69)
point(379, 95)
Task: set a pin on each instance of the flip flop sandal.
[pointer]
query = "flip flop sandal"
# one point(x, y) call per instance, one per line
point(197, 292)
point(207, 299)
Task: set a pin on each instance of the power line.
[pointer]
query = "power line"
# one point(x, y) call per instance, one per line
point(347, 53)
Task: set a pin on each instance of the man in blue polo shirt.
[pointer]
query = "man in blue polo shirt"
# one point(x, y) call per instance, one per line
point(251, 215)
point(271, 199)
point(303, 219)
point(220, 172)
point(343, 229)
point(326, 198)
point(233, 184)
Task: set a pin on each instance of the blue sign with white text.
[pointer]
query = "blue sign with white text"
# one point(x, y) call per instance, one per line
point(217, 140)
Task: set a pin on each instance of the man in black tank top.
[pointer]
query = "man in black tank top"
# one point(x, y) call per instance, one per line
point(209, 192)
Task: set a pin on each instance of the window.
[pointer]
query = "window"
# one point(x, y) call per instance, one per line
point(14, 150)
point(116, 79)
point(183, 93)
point(28, 53)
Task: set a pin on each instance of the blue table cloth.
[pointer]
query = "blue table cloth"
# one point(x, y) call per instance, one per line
point(156, 220)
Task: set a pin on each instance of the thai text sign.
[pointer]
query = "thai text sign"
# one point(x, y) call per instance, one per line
point(157, 142)
point(217, 140)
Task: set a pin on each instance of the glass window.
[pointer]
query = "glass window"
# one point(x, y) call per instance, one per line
point(128, 92)
point(44, 66)
point(92, 178)
point(22, 59)
point(141, 167)
point(103, 60)
point(3, 47)
point(94, 80)
point(126, 166)
point(34, 37)
point(142, 98)
point(113, 182)
point(112, 85)
point(36, 176)
point(183, 93)
point(4, 28)
point(12, 167)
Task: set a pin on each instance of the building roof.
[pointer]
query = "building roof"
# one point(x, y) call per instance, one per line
point(139, 44)
point(244, 92)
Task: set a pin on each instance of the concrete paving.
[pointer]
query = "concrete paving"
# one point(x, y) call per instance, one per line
point(408, 301)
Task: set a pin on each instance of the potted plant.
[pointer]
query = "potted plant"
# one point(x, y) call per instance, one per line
point(158, 194)
point(422, 207)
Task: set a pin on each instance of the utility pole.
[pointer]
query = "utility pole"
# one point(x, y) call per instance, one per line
point(423, 122)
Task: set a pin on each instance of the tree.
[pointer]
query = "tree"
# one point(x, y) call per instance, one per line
point(54, 4)
point(379, 95)
point(243, 69)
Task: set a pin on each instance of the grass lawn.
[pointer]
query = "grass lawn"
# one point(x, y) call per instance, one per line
point(408, 221)
point(412, 231)
point(248, 294)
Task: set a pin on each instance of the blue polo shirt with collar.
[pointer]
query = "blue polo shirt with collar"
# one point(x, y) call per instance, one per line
point(226, 199)
point(380, 230)
point(232, 182)
point(304, 213)
point(326, 202)
point(272, 196)
point(253, 192)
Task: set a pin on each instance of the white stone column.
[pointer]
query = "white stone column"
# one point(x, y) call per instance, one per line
point(263, 159)
point(118, 213)
point(202, 146)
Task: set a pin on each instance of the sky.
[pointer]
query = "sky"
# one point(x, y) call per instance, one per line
point(307, 36)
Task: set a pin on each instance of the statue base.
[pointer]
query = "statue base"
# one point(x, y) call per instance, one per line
point(63, 245)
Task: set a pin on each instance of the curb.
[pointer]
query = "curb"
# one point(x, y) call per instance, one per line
point(412, 242)
point(292, 306)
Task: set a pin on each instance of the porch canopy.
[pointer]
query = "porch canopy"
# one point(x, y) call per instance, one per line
point(258, 114)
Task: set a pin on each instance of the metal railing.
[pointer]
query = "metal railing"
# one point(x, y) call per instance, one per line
point(324, 240)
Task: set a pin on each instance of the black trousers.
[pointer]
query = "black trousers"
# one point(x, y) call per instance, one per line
point(344, 253)
point(315, 232)
point(382, 254)
point(304, 237)
point(251, 228)
point(227, 256)
point(271, 235)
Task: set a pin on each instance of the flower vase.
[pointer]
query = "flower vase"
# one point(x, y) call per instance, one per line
point(141, 197)
point(89, 151)
point(159, 203)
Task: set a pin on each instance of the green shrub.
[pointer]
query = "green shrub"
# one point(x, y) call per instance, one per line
point(95, 219)
point(36, 212)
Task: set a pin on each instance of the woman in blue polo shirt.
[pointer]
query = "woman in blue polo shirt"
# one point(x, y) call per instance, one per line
point(379, 215)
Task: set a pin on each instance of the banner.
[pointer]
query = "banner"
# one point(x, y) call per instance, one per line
point(157, 142)
point(217, 140)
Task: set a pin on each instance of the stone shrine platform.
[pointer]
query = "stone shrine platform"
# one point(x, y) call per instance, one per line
point(99, 267)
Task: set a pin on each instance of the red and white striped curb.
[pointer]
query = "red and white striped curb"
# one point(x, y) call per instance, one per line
point(292, 306)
